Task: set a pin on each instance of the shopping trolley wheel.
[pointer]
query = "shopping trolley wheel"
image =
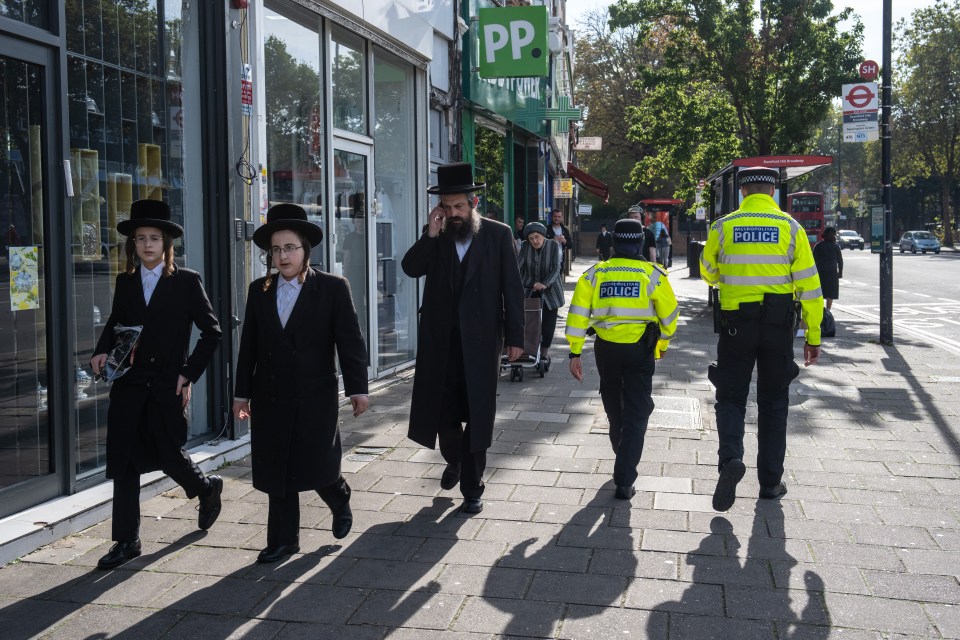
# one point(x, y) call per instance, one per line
point(541, 368)
point(520, 374)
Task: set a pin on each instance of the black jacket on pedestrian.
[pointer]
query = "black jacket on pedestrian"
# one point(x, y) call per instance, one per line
point(490, 310)
point(551, 235)
point(149, 387)
point(604, 243)
point(289, 374)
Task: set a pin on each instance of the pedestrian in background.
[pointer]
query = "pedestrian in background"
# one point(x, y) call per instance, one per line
point(663, 248)
point(558, 231)
point(286, 378)
point(648, 251)
point(760, 259)
point(541, 277)
point(630, 304)
point(146, 422)
point(472, 301)
point(518, 224)
point(604, 243)
point(829, 260)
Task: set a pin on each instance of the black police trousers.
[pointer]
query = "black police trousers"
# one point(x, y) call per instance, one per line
point(760, 335)
point(626, 383)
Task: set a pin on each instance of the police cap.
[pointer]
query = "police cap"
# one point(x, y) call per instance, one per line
point(758, 175)
point(628, 231)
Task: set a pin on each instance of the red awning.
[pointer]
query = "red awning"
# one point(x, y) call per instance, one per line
point(588, 182)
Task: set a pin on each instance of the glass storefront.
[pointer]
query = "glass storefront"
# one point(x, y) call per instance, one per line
point(25, 435)
point(394, 206)
point(36, 13)
point(125, 93)
point(363, 170)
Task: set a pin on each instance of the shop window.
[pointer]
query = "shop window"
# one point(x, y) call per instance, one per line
point(348, 68)
point(125, 89)
point(294, 119)
point(395, 159)
point(36, 13)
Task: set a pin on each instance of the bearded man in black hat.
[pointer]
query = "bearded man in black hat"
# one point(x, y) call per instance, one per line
point(146, 423)
point(472, 303)
point(296, 319)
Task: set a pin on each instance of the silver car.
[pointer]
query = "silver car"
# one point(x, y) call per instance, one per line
point(921, 241)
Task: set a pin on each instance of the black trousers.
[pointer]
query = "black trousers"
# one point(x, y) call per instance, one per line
point(283, 515)
point(747, 339)
point(454, 432)
point(626, 385)
point(174, 462)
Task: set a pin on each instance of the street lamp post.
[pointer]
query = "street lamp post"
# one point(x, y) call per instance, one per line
point(886, 254)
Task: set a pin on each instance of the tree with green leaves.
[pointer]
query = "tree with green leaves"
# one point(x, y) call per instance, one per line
point(928, 102)
point(733, 80)
point(608, 67)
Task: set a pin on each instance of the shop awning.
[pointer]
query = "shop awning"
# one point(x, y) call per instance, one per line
point(588, 182)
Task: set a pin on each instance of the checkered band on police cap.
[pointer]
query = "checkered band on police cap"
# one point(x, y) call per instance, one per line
point(758, 175)
point(628, 230)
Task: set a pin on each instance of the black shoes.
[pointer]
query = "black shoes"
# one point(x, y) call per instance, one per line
point(210, 505)
point(772, 493)
point(726, 492)
point(625, 493)
point(119, 554)
point(450, 477)
point(342, 521)
point(277, 552)
point(472, 505)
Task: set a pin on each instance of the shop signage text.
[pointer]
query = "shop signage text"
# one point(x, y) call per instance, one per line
point(513, 42)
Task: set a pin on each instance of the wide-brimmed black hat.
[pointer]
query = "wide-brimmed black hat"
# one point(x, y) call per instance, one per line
point(628, 231)
point(287, 216)
point(456, 177)
point(758, 175)
point(150, 213)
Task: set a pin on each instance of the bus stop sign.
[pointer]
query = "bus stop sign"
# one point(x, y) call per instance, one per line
point(869, 70)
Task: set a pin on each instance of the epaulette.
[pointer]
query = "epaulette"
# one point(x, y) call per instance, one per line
point(659, 268)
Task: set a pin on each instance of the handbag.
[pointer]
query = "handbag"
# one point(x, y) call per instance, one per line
point(118, 362)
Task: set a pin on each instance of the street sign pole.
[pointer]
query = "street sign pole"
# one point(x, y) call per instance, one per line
point(886, 257)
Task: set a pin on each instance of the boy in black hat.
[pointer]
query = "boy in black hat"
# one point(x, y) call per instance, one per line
point(472, 298)
point(146, 423)
point(296, 319)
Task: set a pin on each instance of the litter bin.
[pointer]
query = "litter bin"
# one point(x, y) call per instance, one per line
point(693, 257)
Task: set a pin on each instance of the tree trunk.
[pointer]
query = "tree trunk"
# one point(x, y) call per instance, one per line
point(945, 207)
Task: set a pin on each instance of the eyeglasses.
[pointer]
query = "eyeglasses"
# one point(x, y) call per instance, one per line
point(286, 249)
point(142, 240)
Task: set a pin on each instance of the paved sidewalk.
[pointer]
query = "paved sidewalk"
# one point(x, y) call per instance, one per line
point(865, 545)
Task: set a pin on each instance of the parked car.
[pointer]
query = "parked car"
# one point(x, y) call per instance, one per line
point(921, 241)
point(849, 239)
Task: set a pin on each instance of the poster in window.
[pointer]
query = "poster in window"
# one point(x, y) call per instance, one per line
point(24, 278)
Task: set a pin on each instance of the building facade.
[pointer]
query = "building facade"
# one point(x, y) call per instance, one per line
point(222, 109)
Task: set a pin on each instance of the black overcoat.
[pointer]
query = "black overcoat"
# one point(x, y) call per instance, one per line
point(490, 310)
point(289, 374)
point(145, 397)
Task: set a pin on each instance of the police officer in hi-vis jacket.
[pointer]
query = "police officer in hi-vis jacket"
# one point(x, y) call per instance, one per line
point(761, 260)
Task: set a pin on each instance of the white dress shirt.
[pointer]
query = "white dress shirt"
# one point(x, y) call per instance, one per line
point(287, 293)
point(149, 279)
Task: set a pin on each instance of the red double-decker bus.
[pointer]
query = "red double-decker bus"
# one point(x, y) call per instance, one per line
point(806, 207)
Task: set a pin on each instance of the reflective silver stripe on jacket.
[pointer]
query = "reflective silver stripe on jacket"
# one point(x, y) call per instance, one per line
point(756, 259)
point(810, 295)
point(792, 249)
point(706, 266)
point(576, 332)
point(625, 312)
point(805, 273)
point(673, 316)
point(591, 275)
point(576, 309)
point(756, 280)
point(616, 323)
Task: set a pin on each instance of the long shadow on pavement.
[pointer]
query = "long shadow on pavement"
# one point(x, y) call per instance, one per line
point(750, 608)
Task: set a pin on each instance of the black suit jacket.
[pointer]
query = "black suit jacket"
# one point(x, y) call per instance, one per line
point(148, 388)
point(290, 376)
point(490, 309)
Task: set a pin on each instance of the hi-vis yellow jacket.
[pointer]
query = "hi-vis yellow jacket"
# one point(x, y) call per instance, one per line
point(759, 249)
point(618, 298)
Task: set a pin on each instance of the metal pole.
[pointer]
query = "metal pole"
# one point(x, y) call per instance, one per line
point(886, 255)
point(836, 206)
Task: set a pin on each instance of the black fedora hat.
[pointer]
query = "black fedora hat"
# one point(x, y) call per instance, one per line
point(287, 216)
point(456, 177)
point(150, 213)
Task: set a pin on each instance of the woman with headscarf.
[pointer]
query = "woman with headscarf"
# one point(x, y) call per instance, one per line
point(540, 273)
point(829, 260)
